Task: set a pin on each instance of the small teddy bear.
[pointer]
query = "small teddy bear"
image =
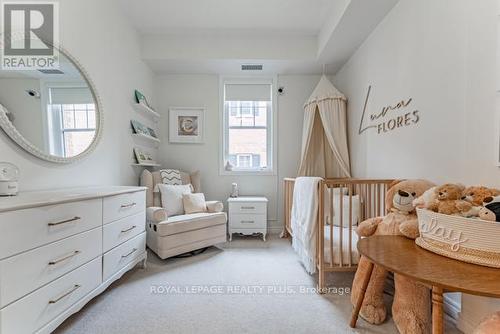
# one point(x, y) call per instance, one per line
point(427, 198)
point(448, 200)
point(477, 194)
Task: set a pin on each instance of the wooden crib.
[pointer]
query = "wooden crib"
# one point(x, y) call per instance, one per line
point(343, 203)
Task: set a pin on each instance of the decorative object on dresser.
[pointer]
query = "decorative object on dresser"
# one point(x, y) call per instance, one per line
point(61, 248)
point(170, 235)
point(9, 175)
point(234, 190)
point(70, 99)
point(186, 125)
point(247, 215)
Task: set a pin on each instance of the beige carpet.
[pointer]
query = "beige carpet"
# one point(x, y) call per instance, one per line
point(247, 286)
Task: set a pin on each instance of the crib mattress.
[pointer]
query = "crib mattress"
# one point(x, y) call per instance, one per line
point(345, 245)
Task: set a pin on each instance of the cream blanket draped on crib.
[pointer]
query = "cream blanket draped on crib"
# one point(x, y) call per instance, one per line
point(304, 220)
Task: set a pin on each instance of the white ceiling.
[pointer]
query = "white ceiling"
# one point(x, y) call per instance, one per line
point(193, 16)
point(286, 36)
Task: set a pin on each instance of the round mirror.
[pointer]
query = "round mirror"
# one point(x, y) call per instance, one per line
point(53, 114)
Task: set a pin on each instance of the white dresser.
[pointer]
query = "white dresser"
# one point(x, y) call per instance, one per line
point(61, 248)
point(247, 215)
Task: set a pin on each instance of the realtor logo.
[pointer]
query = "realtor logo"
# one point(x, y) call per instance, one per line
point(30, 33)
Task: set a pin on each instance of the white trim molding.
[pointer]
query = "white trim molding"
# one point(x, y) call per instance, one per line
point(272, 125)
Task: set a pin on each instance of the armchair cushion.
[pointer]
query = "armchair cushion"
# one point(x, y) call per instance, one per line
point(215, 206)
point(194, 203)
point(190, 222)
point(156, 214)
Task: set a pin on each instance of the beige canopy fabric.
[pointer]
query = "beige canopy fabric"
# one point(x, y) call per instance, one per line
point(325, 151)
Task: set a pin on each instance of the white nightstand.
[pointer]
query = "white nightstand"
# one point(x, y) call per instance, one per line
point(247, 215)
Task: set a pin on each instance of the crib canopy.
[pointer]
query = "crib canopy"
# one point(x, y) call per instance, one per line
point(325, 151)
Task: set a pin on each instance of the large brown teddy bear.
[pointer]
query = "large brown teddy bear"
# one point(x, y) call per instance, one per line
point(411, 306)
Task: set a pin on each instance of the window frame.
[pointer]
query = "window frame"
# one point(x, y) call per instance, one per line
point(56, 146)
point(271, 126)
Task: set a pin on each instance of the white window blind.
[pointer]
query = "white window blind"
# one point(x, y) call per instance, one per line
point(71, 95)
point(248, 92)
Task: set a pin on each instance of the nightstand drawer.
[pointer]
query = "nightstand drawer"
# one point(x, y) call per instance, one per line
point(248, 221)
point(247, 208)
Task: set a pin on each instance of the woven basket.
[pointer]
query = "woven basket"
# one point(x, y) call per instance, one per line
point(465, 239)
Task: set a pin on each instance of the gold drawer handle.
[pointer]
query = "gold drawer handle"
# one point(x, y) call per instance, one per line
point(247, 221)
point(128, 229)
point(130, 253)
point(248, 207)
point(124, 206)
point(76, 287)
point(65, 221)
point(54, 262)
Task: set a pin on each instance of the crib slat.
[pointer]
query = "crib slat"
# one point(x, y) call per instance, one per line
point(330, 203)
point(350, 225)
point(341, 230)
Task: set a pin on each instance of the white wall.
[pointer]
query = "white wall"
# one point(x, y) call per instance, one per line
point(441, 54)
point(27, 110)
point(203, 91)
point(97, 34)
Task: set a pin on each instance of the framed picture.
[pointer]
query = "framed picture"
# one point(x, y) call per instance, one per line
point(186, 125)
point(143, 157)
point(140, 128)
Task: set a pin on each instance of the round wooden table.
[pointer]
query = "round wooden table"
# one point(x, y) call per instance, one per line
point(401, 255)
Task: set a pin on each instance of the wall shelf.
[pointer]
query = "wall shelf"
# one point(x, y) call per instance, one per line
point(147, 138)
point(146, 165)
point(145, 110)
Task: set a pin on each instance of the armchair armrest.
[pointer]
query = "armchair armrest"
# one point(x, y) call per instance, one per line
point(156, 214)
point(215, 206)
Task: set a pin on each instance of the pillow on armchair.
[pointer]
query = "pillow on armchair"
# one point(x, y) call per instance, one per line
point(194, 203)
point(171, 197)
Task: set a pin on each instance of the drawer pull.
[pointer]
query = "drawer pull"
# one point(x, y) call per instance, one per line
point(130, 253)
point(248, 208)
point(65, 221)
point(128, 229)
point(76, 287)
point(54, 262)
point(247, 221)
point(125, 206)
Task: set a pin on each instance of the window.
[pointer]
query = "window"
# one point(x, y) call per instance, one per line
point(72, 120)
point(247, 125)
point(78, 127)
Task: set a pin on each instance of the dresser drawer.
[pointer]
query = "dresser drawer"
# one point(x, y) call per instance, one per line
point(119, 257)
point(248, 221)
point(244, 208)
point(27, 229)
point(122, 230)
point(120, 206)
point(38, 308)
point(24, 273)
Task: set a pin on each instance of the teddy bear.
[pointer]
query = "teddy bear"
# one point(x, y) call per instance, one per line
point(411, 305)
point(448, 201)
point(489, 325)
point(477, 194)
point(491, 209)
point(427, 198)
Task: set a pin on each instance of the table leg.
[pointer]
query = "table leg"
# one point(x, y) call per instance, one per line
point(437, 310)
point(361, 297)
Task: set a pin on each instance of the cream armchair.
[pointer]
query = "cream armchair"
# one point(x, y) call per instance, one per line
point(171, 236)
